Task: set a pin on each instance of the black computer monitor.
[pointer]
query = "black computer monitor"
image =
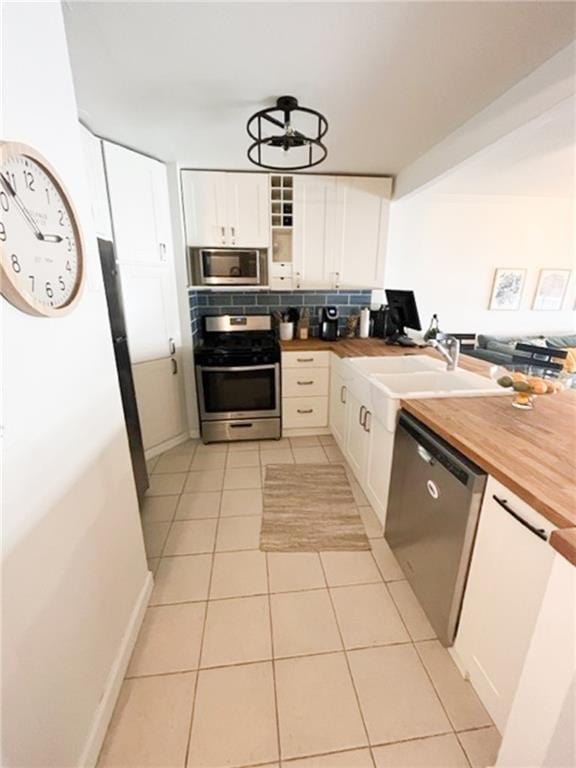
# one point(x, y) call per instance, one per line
point(403, 312)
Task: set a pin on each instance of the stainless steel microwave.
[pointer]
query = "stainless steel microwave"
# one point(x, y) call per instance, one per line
point(228, 266)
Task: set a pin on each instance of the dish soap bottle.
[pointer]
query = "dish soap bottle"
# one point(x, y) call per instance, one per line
point(433, 329)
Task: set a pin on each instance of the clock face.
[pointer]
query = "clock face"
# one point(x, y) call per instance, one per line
point(41, 248)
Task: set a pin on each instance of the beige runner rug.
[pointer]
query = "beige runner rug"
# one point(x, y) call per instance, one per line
point(310, 508)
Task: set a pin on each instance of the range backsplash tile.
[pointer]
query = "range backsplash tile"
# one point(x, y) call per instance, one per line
point(263, 302)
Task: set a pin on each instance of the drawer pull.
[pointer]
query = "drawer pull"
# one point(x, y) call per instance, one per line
point(304, 359)
point(304, 383)
point(308, 410)
point(540, 532)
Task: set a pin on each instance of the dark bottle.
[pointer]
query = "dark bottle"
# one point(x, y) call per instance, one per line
point(433, 329)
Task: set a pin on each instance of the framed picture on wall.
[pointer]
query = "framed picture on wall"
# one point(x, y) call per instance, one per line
point(551, 289)
point(507, 289)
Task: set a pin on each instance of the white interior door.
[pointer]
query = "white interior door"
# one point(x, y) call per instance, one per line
point(248, 217)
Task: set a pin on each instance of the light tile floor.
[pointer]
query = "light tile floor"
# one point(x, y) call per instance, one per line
point(293, 659)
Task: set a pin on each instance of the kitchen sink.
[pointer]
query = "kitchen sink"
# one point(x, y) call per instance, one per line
point(371, 366)
point(388, 389)
point(458, 383)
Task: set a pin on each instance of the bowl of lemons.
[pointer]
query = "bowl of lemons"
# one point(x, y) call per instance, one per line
point(525, 382)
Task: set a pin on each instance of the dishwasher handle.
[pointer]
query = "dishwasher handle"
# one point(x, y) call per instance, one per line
point(540, 532)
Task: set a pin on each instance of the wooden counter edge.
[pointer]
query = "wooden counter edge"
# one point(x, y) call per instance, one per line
point(564, 541)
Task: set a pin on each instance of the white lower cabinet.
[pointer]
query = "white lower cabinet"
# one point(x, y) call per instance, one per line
point(338, 406)
point(379, 467)
point(305, 389)
point(506, 584)
point(358, 425)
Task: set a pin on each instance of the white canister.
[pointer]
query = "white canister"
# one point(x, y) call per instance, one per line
point(286, 331)
point(364, 323)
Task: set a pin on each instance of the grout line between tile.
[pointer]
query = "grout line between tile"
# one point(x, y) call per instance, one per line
point(201, 649)
point(358, 704)
point(278, 745)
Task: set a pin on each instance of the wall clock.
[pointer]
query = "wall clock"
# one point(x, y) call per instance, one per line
point(41, 251)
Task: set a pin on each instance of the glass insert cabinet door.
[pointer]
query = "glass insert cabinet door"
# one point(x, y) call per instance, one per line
point(231, 392)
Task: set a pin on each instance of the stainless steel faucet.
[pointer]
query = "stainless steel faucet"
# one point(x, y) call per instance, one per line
point(449, 348)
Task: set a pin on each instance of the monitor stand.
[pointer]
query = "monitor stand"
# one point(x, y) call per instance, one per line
point(401, 339)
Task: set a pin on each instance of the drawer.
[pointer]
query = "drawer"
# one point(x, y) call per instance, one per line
point(281, 283)
point(514, 505)
point(306, 359)
point(304, 412)
point(305, 382)
point(281, 269)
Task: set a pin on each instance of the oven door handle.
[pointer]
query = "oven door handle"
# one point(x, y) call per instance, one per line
point(237, 368)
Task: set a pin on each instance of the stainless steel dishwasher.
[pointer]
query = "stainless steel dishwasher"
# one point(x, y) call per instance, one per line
point(435, 497)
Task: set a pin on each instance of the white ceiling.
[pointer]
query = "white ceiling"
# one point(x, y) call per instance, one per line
point(538, 159)
point(179, 80)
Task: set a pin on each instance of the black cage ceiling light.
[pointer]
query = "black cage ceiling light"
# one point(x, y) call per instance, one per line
point(282, 120)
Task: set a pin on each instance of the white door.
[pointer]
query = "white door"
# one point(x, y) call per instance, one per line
point(248, 210)
point(361, 220)
point(338, 406)
point(356, 437)
point(379, 466)
point(145, 256)
point(312, 252)
point(205, 208)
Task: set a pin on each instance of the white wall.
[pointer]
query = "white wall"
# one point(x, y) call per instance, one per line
point(73, 563)
point(446, 247)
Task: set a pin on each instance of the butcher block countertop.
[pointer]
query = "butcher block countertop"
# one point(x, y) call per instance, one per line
point(531, 452)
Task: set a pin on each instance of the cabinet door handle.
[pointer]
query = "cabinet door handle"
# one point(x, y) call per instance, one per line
point(172, 346)
point(223, 234)
point(309, 410)
point(298, 279)
point(343, 394)
point(174, 366)
point(162, 249)
point(337, 280)
point(540, 532)
point(304, 383)
point(367, 421)
point(304, 359)
point(233, 235)
point(361, 415)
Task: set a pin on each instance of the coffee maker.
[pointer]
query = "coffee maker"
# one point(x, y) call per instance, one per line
point(329, 323)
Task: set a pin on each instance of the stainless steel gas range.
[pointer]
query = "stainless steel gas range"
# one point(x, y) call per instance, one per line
point(238, 378)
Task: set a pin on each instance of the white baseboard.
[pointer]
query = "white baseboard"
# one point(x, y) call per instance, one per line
point(305, 431)
point(149, 453)
point(194, 434)
point(115, 678)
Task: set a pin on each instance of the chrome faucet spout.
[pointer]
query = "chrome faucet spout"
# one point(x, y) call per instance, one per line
point(449, 348)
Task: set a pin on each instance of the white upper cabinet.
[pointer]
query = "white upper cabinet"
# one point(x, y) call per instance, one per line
point(248, 213)
point(92, 147)
point(226, 210)
point(138, 189)
point(361, 221)
point(340, 231)
point(313, 234)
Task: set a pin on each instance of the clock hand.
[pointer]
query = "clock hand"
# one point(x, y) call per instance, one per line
point(21, 207)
